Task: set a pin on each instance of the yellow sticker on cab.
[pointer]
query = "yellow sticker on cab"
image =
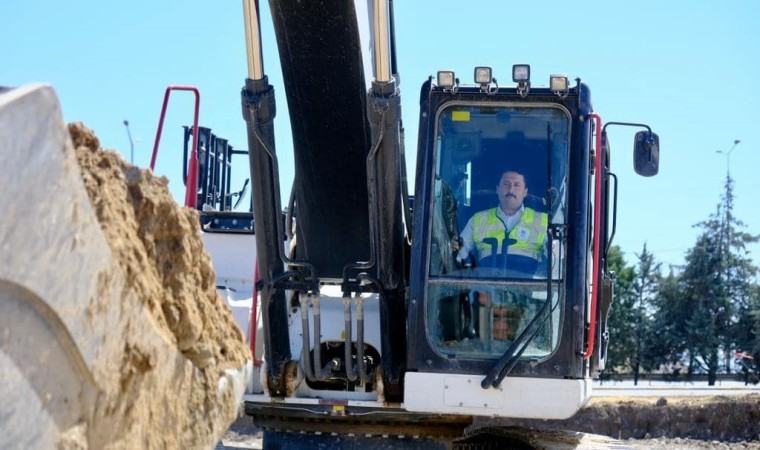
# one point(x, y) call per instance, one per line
point(460, 116)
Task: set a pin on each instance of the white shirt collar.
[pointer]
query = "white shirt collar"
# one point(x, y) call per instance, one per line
point(504, 215)
point(510, 221)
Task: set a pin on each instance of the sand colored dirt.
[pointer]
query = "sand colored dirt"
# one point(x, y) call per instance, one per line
point(158, 246)
point(157, 250)
point(702, 418)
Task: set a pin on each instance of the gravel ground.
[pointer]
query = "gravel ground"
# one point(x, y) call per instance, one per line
point(688, 444)
point(252, 440)
point(722, 423)
point(244, 437)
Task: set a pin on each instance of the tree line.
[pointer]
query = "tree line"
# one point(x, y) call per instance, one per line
point(699, 318)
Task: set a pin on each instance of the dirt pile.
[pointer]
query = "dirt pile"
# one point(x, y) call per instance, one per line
point(725, 419)
point(162, 396)
point(158, 246)
point(715, 418)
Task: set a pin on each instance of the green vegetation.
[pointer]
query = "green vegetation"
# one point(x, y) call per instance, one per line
point(699, 318)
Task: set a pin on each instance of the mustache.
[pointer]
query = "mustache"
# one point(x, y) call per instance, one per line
point(511, 195)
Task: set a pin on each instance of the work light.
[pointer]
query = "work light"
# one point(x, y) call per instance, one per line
point(446, 79)
point(483, 75)
point(521, 73)
point(558, 83)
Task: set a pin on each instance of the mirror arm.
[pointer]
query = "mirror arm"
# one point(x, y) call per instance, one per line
point(626, 124)
point(614, 214)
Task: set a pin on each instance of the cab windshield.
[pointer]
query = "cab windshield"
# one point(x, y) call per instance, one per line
point(499, 198)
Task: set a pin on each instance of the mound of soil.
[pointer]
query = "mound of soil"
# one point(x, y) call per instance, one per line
point(726, 419)
point(159, 254)
point(713, 418)
point(157, 243)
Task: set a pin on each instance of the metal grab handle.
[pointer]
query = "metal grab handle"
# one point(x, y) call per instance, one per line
point(191, 183)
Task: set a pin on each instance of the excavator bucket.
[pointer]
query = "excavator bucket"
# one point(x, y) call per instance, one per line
point(112, 334)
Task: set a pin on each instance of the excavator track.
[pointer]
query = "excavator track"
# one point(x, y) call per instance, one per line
point(339, 426)
point(399, 435)
point(492, 438)
point(390, 434)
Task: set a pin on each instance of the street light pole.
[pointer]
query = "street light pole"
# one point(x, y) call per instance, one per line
point(131, 144)
point(728, 155)
point(729, 194)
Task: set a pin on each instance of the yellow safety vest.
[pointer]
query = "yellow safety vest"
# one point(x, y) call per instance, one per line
point(530, 233)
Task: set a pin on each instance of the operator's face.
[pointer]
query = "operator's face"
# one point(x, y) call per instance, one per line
point(511, 191)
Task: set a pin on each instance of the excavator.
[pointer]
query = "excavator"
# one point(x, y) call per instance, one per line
point(368, 323)
point(375, 332)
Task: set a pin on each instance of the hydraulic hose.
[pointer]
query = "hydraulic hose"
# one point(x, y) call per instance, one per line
point(347, 340)
point(371, 166)
point(305, 352)
point(276, 185)
point(360, 339)
point(318, 369)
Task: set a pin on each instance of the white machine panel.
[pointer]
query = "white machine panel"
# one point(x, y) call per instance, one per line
point(534, 398)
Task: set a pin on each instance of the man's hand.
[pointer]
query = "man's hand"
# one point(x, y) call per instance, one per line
point(456, 244)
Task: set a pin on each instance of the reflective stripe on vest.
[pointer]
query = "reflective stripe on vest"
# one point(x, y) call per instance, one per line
point(529, 233)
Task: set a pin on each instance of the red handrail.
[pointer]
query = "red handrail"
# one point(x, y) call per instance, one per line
point(254, 314)
point(597, 235)
point(191, 185)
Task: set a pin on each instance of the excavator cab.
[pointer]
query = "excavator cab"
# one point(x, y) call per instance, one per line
point(504, 292)
point(499, 284)
point(499, 298)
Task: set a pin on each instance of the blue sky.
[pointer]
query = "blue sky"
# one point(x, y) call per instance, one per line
point(688, 69)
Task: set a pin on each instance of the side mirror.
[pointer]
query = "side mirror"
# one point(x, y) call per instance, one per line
point(646, 153)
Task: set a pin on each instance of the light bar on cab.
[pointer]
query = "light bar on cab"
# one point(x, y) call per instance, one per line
point(446, 79)
point(521, 73)
point(483, 75)
point(521, 76)
point(559, 84)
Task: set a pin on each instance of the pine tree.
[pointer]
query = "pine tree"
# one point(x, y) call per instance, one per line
point(738, 273)
point(621, 321)
point(717, 283)
point(644, 289)
point(704, 327)
point(667, 343)
point(748, 338)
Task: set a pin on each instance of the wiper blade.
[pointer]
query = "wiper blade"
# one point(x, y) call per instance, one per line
point(508, 361)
